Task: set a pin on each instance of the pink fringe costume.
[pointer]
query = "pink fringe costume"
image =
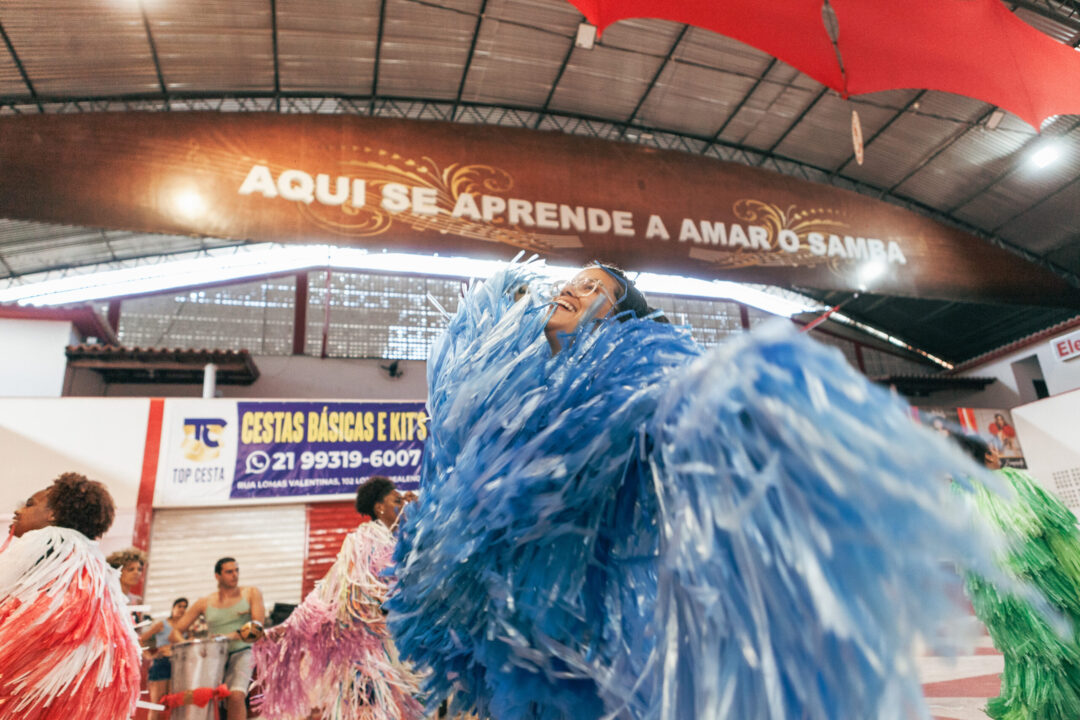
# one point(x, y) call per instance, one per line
point(67, 647)
point(334, 652)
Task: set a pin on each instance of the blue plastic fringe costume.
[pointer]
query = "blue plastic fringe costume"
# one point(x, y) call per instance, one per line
point(636, 528)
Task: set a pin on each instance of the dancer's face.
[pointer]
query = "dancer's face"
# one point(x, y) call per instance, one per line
point(388, 509)
point(577, 297)
point(131, 575)
point(34, 515)
point(178, 610)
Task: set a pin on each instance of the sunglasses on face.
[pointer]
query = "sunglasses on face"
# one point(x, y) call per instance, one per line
point(583, 287)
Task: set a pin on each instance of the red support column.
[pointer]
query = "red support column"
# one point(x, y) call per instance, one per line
point(114, 315)
point(326, 319)
point(859, 358)
point(300, 314)
point(144, 505)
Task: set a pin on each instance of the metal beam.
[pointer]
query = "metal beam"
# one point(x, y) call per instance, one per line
point(794, 123)
point(1001, 320)
point(937, 151)
point(874, 305)
point(1036, 204)
point(877, 133)
point(934, 313)
point(277, 69)
point(555, 83)
point(1070, 21)
point(154, 53)
point(108, 245)
point(743, 101)
point(469, 58)
point(656, 76)
point(378, 51)
point(21, 69)
point(1009, 171)
point(10, 270)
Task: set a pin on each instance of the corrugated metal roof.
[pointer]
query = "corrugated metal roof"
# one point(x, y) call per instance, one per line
point(73, 47)
point(164, 365)
point(693, 99)
point(31, 247)
point(701, 47)
point(823, 138)
point(327, 45)
point(648, 37)
point(770, 111)
point(605, 82)
point(1051, 27)
point(1026, 341)
point(1026, 187)
point(554, 16)
point(214, 44)
point(979, 157)
point(11, 82)
point(514, 65)
point(424, 50)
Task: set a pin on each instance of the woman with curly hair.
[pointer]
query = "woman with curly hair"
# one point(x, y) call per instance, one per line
point(66, 643)
point(131, 562)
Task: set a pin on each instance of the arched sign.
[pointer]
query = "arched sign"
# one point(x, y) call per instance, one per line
point(489, 191)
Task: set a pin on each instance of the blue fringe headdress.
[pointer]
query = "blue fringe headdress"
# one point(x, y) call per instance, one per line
point(634, 528)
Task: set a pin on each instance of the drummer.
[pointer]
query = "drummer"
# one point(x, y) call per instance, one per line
point(227, 612)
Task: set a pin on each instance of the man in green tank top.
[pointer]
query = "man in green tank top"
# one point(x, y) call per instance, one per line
point(226, 611)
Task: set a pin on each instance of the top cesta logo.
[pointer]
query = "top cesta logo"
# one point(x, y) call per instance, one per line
point(203, 438)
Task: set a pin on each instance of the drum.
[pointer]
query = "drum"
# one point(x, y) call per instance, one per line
point(197, 664)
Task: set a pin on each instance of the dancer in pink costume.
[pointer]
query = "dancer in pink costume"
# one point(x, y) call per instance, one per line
point(334, 655)
point(67, 647)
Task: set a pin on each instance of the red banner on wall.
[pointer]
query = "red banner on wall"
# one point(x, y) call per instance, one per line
point(489, 191)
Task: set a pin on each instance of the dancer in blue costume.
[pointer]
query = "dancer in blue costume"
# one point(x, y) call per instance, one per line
point(616, 523)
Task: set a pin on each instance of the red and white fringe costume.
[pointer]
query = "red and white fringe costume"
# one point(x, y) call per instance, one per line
point(335, 652)
point(67, 647)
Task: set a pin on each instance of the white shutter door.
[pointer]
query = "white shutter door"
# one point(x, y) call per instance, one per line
point(266, 540)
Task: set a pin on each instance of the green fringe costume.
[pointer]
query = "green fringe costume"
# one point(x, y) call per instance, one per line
point(1042, 669)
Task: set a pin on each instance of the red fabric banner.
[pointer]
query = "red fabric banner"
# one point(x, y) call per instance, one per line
point(976, 48)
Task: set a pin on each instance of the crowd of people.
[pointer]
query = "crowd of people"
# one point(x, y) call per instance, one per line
point(614, 523)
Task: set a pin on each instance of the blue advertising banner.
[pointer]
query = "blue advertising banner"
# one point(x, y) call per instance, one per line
point(318, 448)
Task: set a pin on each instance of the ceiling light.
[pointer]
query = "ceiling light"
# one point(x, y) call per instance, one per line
point(995, 119)
point(1046, 155)
point(870, 272)
point(189, 204)
point(586, 36)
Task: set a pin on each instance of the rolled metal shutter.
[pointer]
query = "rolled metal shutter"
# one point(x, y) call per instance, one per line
point(268, 542)
point(327, 525)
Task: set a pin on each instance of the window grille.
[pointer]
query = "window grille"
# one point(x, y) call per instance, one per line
point(710, 321)
point(253, 316)
point(377, 316)
point(374, 315)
